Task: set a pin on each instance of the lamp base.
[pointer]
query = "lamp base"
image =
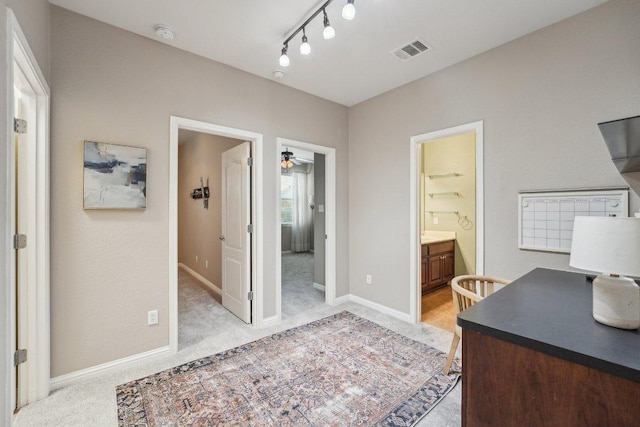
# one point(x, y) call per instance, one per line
point(616, 301)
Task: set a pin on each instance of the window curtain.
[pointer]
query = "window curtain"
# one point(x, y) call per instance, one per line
point(302, 225)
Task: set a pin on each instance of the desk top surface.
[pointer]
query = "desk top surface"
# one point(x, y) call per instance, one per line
point(550, 311)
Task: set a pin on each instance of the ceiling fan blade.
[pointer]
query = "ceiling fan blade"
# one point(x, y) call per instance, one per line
point(296, 161)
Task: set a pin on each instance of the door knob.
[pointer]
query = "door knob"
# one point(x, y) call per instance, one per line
point(221, 238)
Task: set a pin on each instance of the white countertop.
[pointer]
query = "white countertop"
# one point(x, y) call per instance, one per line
point(428, 237)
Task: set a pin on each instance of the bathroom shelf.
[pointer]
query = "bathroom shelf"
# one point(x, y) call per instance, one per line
point(448, 193)
point(445, 175)
point(443, 212)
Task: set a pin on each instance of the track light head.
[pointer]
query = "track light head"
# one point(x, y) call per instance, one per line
point(328, 32)
point(284, 59)
point(305, 47)
point(349, 10)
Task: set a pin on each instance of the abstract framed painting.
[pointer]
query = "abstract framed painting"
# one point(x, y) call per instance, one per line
point(115, 176)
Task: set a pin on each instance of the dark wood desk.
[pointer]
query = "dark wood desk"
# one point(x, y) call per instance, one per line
point(534, 356)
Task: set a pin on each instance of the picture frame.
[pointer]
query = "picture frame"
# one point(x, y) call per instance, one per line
point(114, 176)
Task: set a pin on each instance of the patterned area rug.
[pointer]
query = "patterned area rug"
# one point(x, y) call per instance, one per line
point(340, 370)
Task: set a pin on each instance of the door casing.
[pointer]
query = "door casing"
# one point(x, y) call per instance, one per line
point(414, 206)
point(257, 281)
point(330, 221)
point(37, 317)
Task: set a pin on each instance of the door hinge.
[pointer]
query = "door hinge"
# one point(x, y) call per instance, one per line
point(250, 296)
point(20, 356)
point(249, 161)
point(19, 241)
point(19, 125)
point(326, 237)
point(250, 228)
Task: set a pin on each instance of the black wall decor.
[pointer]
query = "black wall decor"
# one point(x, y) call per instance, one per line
point(202, 193)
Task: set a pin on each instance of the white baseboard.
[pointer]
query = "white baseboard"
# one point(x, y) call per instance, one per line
point(201, 279)
point(343, 299)
point(89, 373)
point(269, 321)
point(375, 306)
point(318, 286)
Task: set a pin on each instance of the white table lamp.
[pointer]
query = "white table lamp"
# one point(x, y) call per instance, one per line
point(611, 247)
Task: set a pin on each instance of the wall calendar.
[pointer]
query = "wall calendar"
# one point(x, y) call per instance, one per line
point(545, 219)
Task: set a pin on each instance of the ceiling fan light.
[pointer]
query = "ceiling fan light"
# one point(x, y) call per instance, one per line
point(349, 10)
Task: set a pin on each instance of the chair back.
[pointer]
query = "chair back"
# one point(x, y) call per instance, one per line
point(468, 290)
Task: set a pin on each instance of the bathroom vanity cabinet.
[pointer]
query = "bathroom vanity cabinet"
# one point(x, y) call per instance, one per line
point(438, 264)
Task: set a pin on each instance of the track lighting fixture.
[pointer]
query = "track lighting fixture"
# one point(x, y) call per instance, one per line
point(305, 47)
point(328, 32)
point(284, 59)
point(349, 10)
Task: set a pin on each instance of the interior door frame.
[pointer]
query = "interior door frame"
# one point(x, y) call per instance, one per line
point(414, 205)
point(38, 316)
point(257, 208)
point(330, 220)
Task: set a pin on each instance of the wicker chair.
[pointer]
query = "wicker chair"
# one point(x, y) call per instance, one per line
point(468, 290)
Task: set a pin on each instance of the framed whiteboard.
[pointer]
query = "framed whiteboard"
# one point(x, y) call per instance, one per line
point(545, 219)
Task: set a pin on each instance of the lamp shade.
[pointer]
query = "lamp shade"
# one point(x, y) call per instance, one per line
point(606, 245)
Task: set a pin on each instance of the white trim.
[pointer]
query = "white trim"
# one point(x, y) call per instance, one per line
point(330, 219)
point(270, 321)
point(375, 306)
point(414, 208)
point(200, 278)
point(257, 202)
point(319, 287)
point(343, 299)
point(89, 373)
point(38, 316)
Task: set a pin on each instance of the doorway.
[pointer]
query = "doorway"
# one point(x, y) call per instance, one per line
point(28, 178)
point(305, 245)
point(446, 224)
point(202, 218)
point(302, 208)
point(250, 272)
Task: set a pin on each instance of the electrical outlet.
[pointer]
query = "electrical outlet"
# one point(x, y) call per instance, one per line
point(206, 264)
point(435, 220)
point(152, 317)
point(368, 279)
point(196, 259)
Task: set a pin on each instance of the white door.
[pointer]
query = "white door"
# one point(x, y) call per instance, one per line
point(236, 236)
point(24, 223)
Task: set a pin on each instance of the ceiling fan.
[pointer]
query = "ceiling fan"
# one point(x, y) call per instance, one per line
point(288, 160)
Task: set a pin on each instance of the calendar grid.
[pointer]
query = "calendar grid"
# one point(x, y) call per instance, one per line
point(546, 219)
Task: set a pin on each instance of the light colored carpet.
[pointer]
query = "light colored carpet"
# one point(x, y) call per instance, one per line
point(199, 310)
point(93, 403)
point(298, 293)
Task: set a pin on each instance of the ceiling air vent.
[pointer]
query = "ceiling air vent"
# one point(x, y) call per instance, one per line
point(411, 50)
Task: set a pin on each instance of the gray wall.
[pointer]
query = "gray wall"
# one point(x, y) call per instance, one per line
point(318, 219)
point(285, 237)
point(33, 16)
point(114, 86)
point(199, 229)
point(540, 97)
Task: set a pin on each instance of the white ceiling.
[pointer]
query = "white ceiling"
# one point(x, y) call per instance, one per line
point(356, 64)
